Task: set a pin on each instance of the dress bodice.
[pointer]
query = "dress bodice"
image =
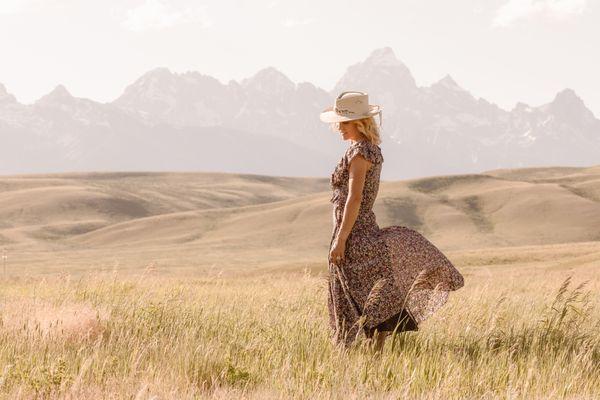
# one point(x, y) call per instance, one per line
point(339, 181)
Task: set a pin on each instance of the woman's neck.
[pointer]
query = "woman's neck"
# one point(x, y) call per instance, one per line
point(353, 142)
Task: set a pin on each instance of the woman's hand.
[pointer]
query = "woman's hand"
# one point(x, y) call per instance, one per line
point(338, 248)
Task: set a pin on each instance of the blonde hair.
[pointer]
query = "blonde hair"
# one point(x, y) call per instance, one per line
point(366, 126)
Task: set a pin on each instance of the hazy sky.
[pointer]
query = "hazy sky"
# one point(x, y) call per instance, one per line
point(503, 50)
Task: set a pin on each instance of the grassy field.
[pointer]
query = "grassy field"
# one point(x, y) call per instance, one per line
point(206, 285)
point(511, 332)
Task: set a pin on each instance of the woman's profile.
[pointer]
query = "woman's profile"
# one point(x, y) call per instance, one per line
point(381, 280)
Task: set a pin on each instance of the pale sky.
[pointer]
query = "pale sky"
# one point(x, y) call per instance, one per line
point(502, 50)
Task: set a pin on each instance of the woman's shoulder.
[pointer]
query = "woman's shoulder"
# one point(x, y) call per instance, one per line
point(367, 149)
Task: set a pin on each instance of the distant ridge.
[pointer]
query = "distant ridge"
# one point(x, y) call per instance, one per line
point(236, 215)
point(268, 124)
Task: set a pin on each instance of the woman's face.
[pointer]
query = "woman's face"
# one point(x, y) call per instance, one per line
point(348, 131)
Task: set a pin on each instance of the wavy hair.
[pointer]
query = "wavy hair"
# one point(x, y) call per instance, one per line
point(366, 126)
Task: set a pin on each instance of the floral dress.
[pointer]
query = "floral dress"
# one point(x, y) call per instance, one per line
point(392, 278)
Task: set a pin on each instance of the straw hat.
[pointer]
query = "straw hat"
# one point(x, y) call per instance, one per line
point(350, 106)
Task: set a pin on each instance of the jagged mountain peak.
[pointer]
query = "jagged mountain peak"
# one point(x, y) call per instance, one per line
point(381, 71)
point(155, 76)
point(447, 82)
point(268, 77)
point(269, 73)
point(383, 56)
point(567, 104)
point(59, 94)
point(61, 91)
point(196, 75)
point(159, 72)
point(567, 96)
point(6, 97)
point(154, 84)
point(522, 107)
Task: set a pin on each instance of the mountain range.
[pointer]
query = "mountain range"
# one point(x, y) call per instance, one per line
point(267, 124)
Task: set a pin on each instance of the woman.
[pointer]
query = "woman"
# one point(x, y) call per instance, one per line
point(380, 280)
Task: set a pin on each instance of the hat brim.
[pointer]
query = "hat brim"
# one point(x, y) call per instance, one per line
point(328, 115)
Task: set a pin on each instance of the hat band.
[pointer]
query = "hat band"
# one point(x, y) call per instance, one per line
point(343, 111)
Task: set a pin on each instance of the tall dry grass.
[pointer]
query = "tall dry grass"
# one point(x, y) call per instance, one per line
point(151, 337)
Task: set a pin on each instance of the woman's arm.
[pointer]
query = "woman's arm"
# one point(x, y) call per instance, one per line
point(357, 171)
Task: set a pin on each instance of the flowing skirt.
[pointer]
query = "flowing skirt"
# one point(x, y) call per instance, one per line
point(389, 275)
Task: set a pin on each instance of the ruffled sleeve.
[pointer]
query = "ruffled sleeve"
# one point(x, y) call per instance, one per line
point(368, 150)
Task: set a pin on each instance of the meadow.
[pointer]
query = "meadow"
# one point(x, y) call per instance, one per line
point(205, 285)
point(513, 331)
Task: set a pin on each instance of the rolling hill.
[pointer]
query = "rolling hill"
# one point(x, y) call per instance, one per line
point(217, 218)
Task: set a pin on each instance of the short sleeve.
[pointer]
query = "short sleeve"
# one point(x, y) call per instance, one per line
point(369, 151)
